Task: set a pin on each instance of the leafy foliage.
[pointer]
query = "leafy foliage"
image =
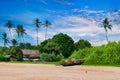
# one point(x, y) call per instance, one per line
point(51, 47)
point(51, 57)
point(17, 53)
point(106, 54)
point(5, 39)
point(81, 44)
point(3, 52)
point(65, 42)
point(107, 25)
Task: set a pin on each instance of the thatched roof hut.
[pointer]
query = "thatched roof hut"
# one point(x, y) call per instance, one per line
point(10, 58)
point(31, 54)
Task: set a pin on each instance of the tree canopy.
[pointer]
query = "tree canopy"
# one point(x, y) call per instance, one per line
point(65, 42)
point(82, 44)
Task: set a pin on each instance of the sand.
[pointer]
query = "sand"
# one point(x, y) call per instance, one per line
point(52, 72)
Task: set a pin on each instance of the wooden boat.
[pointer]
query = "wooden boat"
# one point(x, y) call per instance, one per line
point(72, 64)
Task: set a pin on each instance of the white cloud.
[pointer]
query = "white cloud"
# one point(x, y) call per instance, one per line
point(98, 42)
point(33, 34)
point(82, 27)
point(75, 24)
point(88, 11)
point(66, 2)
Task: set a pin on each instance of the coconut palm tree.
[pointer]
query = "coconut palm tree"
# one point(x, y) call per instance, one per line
point(38, 25)
point(10, 25)
point(5, 39)
point(14, 42)
point(20, 31)
point(107, 26)
point(46, 24)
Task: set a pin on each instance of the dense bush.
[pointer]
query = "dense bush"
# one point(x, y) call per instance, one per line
point(25, 46)
point(106, 54)
point(51, 47)
point(3, 52)
point(2, 58)
point(81, 54)
point(81, 44)
point(51, 57)
point(42, 45)
point(17, 53)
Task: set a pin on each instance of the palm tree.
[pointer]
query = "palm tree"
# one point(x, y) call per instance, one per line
point(4, 37)
point(107, 26)
point(38, 25)
point(20, 31)
point(14, 42)
point(10, 25)
point(46, 24)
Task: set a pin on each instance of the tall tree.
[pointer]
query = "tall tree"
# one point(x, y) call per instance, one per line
point(107, 26)
point(10, 25)
point(14, 42)
point(46, 24)
point(65, 42)
point(5, 39)
point(20, 31)
point(38, 25)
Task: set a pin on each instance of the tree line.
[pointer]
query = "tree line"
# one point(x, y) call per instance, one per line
point(60, 44)
point(21, 31)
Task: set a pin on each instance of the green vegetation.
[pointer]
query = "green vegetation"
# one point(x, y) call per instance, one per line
point(29, 62)
point(3, 52)
point(5, 39)
point(105, 54)
point(51, 57)
point(65, 42)
point(17, 53)
point(81, 44)
point(38, 25)
point(107, 25)
point(60, 47)
point(46, 24)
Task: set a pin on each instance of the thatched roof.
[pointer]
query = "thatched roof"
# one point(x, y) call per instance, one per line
point(8, 56)
point(33, 54)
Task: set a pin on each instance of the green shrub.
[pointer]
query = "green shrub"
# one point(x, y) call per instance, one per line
point(51, 57)
point(3, 52)
point(59, 57)
point(2, 58)
point(17, 53)
point(81, 54)
point(81, 44)
point(45, 57)
point(109, 54)
point(105, 54)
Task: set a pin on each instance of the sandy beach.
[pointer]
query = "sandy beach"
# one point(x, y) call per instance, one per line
point(53, 72)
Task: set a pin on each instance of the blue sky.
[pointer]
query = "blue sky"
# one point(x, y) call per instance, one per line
point(81, 19)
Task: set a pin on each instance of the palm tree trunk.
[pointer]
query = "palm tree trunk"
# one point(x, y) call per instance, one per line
point(46, 33)
point(106, 36)
point(37, 36)
point(23, 41)
point(22, 38)
point(10, 33)
point(19, 38)
point(4, 44)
